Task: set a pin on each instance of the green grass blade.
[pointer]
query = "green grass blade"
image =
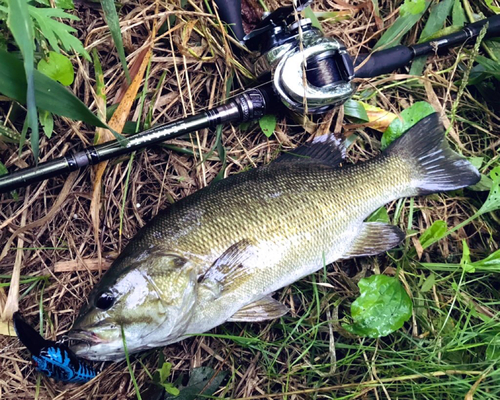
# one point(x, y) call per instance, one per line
point(21, 26)
point(108, 6)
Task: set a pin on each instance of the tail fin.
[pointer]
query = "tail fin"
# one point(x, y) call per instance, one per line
point(435, 167)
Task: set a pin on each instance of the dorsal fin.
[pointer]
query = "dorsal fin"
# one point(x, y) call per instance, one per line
point(326, 149)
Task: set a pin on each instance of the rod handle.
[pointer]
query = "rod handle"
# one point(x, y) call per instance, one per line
point(383, 62)
point(25, 177)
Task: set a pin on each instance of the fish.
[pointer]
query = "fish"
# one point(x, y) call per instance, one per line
point(219, 254)
point(53, 359)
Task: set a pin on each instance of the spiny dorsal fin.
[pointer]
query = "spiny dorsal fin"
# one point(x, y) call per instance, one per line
point(232, 266)
point(375, 238)
point(260, 310)
point(326, 149)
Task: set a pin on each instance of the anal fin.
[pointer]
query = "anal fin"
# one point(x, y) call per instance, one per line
point(375, 238)
point(260, 310)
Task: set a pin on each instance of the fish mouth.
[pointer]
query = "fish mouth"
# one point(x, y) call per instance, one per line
point(81, 337)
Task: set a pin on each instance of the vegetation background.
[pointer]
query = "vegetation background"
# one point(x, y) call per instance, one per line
point(59, 234)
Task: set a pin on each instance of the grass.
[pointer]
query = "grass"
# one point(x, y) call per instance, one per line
point(450, 348)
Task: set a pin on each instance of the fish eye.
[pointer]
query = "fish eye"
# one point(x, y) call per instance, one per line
point(105, 301)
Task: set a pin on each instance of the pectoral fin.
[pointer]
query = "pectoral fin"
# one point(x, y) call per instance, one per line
point(260, 310)
point(375, 238)
point(234, 265)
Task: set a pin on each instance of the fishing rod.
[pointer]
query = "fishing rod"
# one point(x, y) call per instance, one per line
point(289, 48)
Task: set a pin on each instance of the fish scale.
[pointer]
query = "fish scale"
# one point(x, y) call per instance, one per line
point(218, 254)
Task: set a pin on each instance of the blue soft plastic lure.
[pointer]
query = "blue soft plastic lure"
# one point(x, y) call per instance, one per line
point(51, 358)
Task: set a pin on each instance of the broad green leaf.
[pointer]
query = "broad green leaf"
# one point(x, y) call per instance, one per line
point(412, 7)
point(308, 13)
point(379, 216)
point(492, 202)
point(432, 234)
point(203, 383)
point(47, 122)
point(437, 17)
point(109, 8)
point(21, 26)
point(50, 95)
point(393, 36)
point(355, 109)
point(57, 67)
point(410, 117)
point(458, 14)
point(382, 307)
point(268, 124)
point(57, 32)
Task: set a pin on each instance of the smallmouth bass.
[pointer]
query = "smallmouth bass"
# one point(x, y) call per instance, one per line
point(218, 254)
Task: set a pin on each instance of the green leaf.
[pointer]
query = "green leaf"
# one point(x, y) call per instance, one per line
point(109, 8)
point(56, 31)
point(489, 264)
point(47, 122)
point(379, 216)
point(465, 262)
point(308, 13)
point(428, 283)
point(392, 36)
point(203, 383)
point(382, 307)
point(458, 14)
point(492, 7)
point(3, 169)
point(492, 202)
point(412, 7)
point(485, 183)
point(410, 117)
point(57, 67)
point(355, 109)
point(164, 371)
point(50, 95)
point(9, 135)
point(432, 234)
point(65, 4)
point(21, 26)
point(493, 349)
point(268, 124)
